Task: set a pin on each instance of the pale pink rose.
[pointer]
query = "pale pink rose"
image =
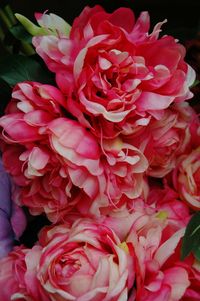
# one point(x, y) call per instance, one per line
point(163, 141)
point(111, 71)
point(158, 226)
point(121, 220)
point(186, 178)
point(167, 203)
point(86, 262)
point(156, 239)
point(158, 276)
point(18, 276)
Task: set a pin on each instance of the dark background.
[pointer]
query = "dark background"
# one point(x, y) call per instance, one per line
point(183, 16)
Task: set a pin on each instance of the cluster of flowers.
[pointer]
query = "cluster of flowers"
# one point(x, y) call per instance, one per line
point(111, 156)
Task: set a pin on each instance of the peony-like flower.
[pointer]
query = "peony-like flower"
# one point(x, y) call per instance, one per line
point(116, 75)
point(44, 179)
point(86, 262)
point(18, 276)
point(31, 108)
point(124, 168)
point(163, 141)
point(43, 174)
point(26, 154)
point(12, 218)
point(104, 176)
point(59, 164)
point(186, 178)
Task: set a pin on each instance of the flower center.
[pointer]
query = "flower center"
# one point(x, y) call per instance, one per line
point(67, 266)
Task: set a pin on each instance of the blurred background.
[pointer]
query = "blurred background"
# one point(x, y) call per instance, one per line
point(183, 16)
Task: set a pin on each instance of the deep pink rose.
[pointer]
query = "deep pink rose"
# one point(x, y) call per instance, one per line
point(31, 108)
point(86, 262)
point(44, 183)
point(58, 164)
point(116, 75)
point(30, 156)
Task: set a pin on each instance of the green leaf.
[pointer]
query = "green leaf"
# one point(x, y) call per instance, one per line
point(18, 68)
point(33, 29)
point(191, 239)
point(196, 82)
point(197, 253)
point(19, 32)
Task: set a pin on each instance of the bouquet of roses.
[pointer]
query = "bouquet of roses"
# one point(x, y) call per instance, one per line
point(108, 148)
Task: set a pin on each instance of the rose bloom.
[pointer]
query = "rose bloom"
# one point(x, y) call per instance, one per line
point(186, 178)
point(18, 276)
point(155, 238)
point(85, 262)
point(116, 75)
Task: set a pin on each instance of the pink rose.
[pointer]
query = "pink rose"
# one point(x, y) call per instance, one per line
point(186, 178)
point(18, 276)
point(158, 275)
point(86, 262)
point(111, 71)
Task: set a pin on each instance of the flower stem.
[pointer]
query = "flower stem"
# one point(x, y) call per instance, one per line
point(5, 19)
point(10, 14)
point(27, 49)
